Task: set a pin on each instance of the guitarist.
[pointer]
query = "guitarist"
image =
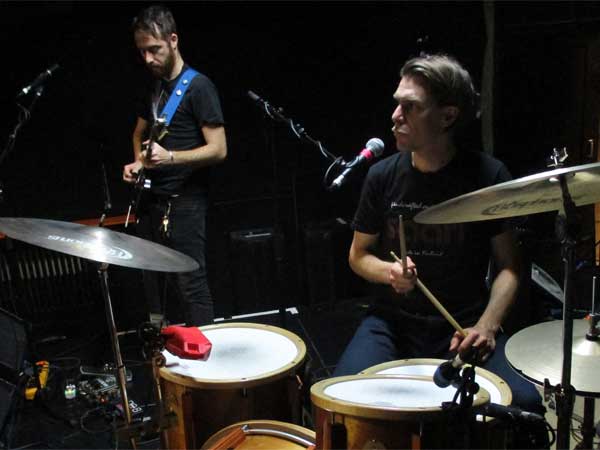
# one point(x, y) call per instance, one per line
point(173, 212)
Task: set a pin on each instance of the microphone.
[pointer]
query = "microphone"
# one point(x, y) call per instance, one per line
point(254, 97)
point(448, 372)
point(39, 80)
point(186, 342)
point(508, 413)
point(373, 149)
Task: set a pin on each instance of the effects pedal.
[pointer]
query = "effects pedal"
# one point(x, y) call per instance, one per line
point(99, 390)
point(107, 370)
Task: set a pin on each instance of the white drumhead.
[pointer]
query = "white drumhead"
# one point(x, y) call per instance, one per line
point(238, 353)
point(429, 370)
point(390, 392)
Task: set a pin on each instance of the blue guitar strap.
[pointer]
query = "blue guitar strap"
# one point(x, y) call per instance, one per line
point(177, 95)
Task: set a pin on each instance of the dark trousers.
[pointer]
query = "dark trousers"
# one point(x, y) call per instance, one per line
point(186, 233)
point(378, 340)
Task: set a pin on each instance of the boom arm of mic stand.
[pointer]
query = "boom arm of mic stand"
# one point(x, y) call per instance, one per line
point(24, 116)
point(277, 115)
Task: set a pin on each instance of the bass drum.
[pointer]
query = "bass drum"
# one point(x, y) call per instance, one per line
point(262, 435)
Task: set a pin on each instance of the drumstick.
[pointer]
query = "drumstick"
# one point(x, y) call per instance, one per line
point(402, 242)
point(436, 303)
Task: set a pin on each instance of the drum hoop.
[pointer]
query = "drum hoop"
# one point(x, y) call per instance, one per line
point(236, 383)
point(505, 391)
point(275, 425)
point(335, 405)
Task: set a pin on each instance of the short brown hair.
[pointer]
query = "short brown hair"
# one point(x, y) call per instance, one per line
point(156, 20)
point(448, 82)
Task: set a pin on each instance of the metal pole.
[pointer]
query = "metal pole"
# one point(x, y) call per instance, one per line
point(121, 374)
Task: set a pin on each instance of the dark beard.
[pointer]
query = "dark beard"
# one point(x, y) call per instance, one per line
point(165, 71)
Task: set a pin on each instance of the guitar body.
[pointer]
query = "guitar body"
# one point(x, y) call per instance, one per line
point(157, 132)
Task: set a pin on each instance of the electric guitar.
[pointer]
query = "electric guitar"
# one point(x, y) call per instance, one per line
point(157, 132)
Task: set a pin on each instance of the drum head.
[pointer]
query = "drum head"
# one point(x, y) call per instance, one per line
point(242, 355)
point(498, 389)
point(263, 435)
point(386, 397)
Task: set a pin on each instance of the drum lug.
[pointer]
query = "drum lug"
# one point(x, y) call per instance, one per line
point(300, 383)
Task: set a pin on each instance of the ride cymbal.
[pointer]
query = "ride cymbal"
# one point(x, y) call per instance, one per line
point(528, 195)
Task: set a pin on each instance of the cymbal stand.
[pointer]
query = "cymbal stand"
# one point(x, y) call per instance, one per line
point(121, 374)
point(565, 393)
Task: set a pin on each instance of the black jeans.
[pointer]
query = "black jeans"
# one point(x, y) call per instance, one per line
point(186, 233)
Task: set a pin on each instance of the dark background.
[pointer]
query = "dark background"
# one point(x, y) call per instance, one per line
point(332, 67)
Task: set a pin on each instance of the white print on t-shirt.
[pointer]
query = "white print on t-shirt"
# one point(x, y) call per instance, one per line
point(411, 206)
point(422, 239)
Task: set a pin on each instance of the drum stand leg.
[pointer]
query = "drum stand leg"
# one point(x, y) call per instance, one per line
point(121, 375)
point(588, 430)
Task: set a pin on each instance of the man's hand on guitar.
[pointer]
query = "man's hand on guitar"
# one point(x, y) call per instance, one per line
point(131, 170)
point(157, 156)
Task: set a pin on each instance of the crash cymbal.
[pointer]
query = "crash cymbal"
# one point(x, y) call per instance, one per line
point(528, 195)
point(536, 353)
point(97, 244)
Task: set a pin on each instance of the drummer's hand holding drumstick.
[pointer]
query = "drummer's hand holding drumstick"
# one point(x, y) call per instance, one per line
point(403, 280)
point(479, 339)
point(464, 341)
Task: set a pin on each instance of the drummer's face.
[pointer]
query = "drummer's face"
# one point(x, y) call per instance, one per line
point(417, 119)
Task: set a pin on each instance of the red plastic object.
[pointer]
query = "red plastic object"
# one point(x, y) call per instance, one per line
point(186, 342)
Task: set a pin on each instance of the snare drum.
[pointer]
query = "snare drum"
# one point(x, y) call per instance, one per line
point(383, 411)
point(489, 433)
point(262, 435)
point(252, 373)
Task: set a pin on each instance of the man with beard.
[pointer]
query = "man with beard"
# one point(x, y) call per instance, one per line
point(435, 98)
point(173, 211)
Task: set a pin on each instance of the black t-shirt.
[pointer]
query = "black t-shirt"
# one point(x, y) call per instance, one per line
point(200, 106)
point(452, 260)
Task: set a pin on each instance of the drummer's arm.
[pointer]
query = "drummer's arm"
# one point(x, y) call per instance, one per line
point(505, 285)
point(368, 266)
point(502, 296)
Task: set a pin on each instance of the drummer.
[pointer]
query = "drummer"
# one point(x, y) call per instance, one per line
point(435, 101)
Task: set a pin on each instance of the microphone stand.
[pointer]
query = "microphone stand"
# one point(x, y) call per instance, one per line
point(276, 115)
point(466, 388)
point(23, 117)
point(106, 191)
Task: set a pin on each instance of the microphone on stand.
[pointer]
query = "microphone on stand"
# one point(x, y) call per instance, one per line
point(255, 97)
point(373, 149)
point(39, 80)
point(448, 372)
